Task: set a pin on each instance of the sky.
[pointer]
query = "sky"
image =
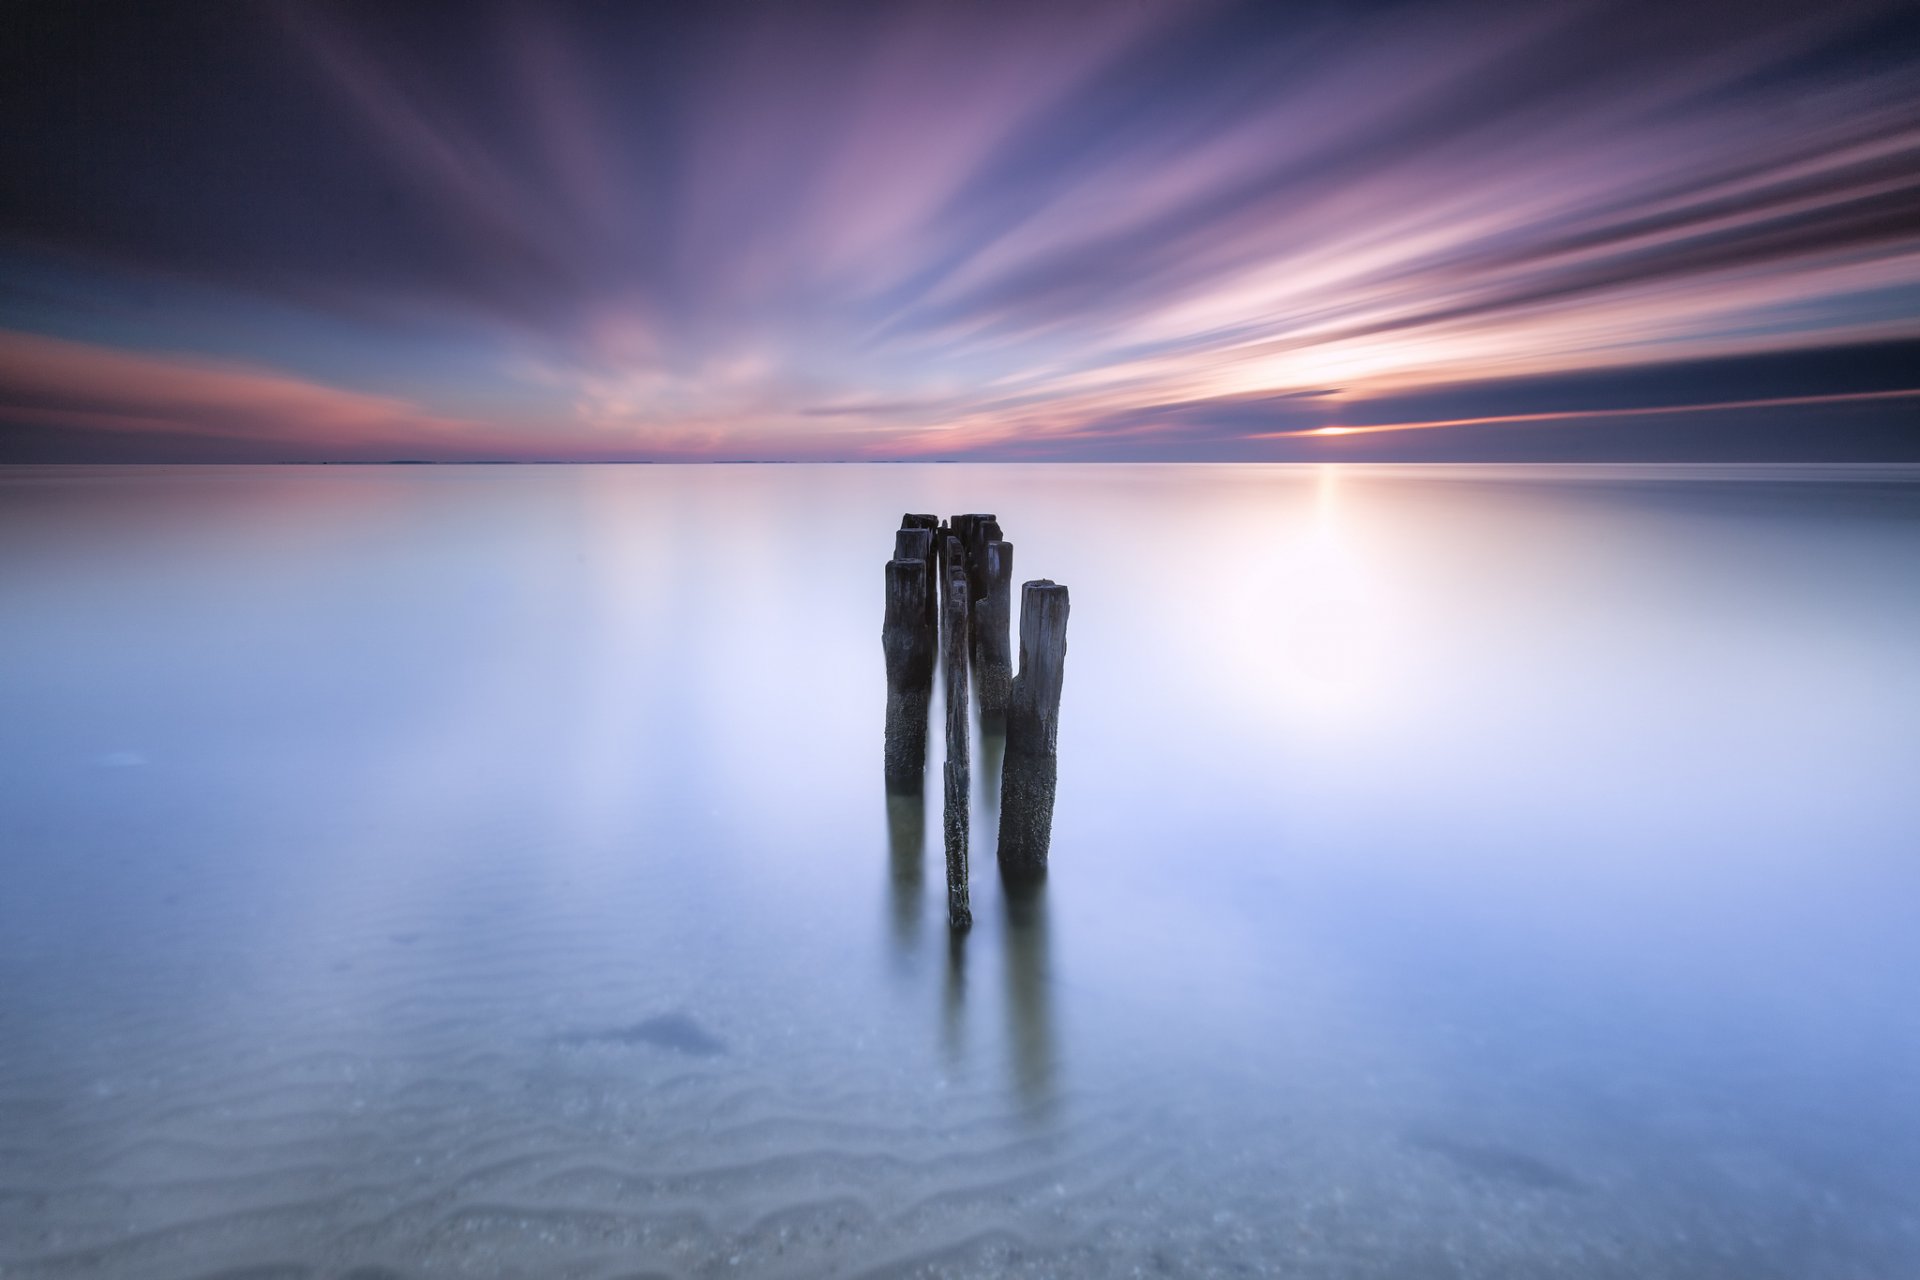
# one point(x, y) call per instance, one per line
point(972, 231)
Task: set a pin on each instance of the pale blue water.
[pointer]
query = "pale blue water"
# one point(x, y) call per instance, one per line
point(1494, 872)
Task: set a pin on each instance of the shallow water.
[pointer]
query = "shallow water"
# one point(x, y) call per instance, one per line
point(486, 871)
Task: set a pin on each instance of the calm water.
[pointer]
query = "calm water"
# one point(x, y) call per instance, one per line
point(487, 871)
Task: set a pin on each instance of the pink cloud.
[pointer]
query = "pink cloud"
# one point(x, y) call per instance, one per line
point(101, 388)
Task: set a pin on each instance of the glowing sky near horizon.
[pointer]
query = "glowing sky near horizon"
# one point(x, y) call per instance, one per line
point(1129, 230)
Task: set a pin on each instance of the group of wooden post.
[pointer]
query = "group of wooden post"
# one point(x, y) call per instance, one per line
point(948, 597)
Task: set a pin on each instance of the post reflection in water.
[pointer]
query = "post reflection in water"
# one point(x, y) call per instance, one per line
point(1030, 996)
point(906, 838)
point(993, 750)
point(1032, 1054)
point(953, 1009)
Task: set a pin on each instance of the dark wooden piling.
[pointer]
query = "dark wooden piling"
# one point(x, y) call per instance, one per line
point(942, 534)
point(961, 527)
point(917, 544)
point(956, 774)
point(913, 544)
point(1031, 766)
point(973, 539)
point(909, 647)
point(974, 531)
point(932, 525)
point(992, 646)
point(985, 532)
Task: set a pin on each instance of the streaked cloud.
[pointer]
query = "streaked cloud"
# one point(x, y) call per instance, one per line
point(966, 230)
point(96, 388)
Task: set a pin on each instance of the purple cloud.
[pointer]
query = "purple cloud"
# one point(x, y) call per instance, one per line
point(947, 230)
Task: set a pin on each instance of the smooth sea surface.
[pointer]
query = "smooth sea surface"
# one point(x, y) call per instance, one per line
point(486, 871)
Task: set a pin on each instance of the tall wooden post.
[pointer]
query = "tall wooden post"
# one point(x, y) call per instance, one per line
point(909, 649)
point(993, 654)
point(942, 566)
point(917, 544)
point(932, 525)
point(1031, 765)
point(986, 531)
point(974, 531)
point(956, 774)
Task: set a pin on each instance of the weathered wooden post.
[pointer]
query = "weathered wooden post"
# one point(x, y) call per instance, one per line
point(1033, 727)
point(974, 531)
point(917, 544)
point(956, 774)
point(908, 645)
point(958, 527)
point(942, 565)
point(992, 612)
point(914, 544)
point(962, 527)
point(986, 530)
point(931, 524)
